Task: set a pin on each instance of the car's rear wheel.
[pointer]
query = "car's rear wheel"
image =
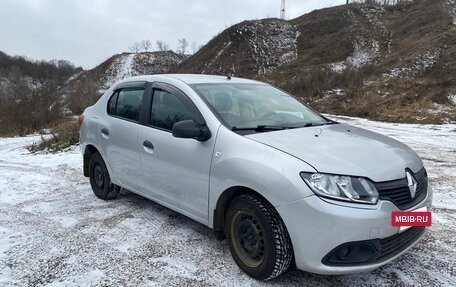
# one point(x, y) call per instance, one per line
point(99, 178)
point(257, 237)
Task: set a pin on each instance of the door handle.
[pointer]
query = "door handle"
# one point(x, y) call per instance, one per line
point(148, 145)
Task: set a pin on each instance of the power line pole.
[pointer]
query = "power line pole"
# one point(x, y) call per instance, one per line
point(282, 10)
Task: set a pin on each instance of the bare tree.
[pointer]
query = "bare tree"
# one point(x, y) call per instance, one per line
point(64, 64)
point(135, 47)
point(162, 46)
point(146, 45)
point(182, 47)
point(38, 109)
point(85, 94)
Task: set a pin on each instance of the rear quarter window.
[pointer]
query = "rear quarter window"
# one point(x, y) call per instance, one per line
point(112, 104)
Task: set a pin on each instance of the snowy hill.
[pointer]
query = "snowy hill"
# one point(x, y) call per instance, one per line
point(84, 88)
point(250, 48)
point(126, 65)
point(394, 63)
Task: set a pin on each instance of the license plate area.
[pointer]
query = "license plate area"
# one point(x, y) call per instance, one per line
point(406, 219)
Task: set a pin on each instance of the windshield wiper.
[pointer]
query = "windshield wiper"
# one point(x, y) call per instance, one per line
point(317, 124)
point(259, 128)
point(262, 128)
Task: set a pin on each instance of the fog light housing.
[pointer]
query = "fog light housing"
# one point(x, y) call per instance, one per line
point(343, 253)
point(353, 253)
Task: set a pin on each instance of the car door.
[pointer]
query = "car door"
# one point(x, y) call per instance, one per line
point(175, 170)
point(119, 133)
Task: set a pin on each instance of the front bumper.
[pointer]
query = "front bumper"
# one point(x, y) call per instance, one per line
point(317, 227)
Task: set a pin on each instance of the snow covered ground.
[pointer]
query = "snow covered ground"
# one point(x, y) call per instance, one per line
point(55, 232)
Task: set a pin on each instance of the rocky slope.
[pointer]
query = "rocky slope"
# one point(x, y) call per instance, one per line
point(393, 63)
point(250, 49)
point(126, 65)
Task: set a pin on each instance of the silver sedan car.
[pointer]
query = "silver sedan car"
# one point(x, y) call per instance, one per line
point(281, 182)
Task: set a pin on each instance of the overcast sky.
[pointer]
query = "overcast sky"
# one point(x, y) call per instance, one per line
point(87, 32)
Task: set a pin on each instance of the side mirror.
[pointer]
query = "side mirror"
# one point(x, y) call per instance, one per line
point(188, 129)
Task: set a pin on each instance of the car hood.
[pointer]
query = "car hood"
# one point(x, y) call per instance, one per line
point(346, 150)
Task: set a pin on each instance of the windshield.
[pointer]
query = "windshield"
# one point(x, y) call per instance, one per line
point(257, 105)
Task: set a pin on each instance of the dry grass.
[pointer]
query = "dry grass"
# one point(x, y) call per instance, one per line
point(62, 136)
point(413, 29)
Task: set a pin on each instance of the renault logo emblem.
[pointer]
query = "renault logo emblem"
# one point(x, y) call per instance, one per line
point(411, 183)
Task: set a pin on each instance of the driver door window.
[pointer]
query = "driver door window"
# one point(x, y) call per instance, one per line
point(168, 109)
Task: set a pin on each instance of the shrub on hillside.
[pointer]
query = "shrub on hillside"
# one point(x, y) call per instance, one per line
point(85, 94)
point(63, 135)
point(24, 111)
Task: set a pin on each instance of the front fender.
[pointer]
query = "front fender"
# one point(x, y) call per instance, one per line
point(239, 161)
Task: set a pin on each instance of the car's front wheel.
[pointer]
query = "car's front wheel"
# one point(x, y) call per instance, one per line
point(99, 178)
point(257, 237)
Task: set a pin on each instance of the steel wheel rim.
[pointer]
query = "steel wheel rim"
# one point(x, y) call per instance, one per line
point(248, 238)
point(98, 176)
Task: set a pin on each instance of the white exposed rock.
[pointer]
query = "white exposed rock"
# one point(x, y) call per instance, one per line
point(74, 77)
point(338, 67)
point(452, 98)
point(131, 64)
point(333, 94)
point(273, 43)
point(421, 63)
point(366, 50)
point(119, 69)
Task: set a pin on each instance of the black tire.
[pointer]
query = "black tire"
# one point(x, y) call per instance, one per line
point(99, 178)
point(257, 238)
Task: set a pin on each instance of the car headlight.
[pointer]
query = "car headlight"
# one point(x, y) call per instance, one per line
point(342, 187)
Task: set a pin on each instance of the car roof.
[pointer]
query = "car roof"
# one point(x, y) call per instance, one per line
point(192, 79)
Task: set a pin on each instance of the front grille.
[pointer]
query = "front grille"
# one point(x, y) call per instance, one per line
point(397, 191)
point(393, 245)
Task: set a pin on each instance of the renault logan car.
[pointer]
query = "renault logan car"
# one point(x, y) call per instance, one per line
point(281, 182)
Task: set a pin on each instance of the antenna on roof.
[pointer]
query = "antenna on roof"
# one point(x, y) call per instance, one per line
point(219, 72)
point(282, 10)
